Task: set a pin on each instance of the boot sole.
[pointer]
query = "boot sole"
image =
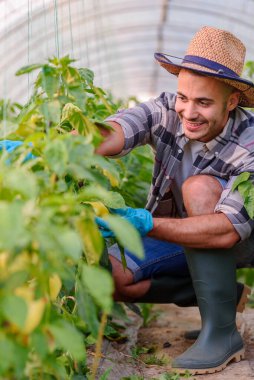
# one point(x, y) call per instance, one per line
point(244, 299)
point(236, 357)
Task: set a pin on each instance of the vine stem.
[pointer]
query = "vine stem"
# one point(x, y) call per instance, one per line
point(101, 97)
point(99, 345)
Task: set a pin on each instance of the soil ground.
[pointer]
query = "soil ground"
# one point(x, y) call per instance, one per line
point(165, 335)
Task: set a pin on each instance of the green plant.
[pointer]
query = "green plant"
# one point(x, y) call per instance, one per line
point(148, 313)
point(55, 287)
point(175, 376)
point(155, 360)
point(244, 185)
point(136, 351)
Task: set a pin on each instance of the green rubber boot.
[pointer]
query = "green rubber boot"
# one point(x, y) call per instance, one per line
point(213, 274)
point(243, 292)
point(170, 289)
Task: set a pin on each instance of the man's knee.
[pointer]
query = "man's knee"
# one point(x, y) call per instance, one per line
point(201, 193)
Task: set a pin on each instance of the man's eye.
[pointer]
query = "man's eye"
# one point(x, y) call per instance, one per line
point(182, 98)
point(204, 103)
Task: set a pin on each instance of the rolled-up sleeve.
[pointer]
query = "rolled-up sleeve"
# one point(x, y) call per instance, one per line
point(139, 123)
point(231, 204)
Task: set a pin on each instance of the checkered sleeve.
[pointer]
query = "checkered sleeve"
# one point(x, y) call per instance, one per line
point(232, 205)
point(241, 155)
point(139, 123)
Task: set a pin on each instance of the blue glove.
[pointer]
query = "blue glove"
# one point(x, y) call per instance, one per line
point(10, 145)
point(140, 218)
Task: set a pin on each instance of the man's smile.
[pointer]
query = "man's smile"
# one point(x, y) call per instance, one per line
point(193, 126)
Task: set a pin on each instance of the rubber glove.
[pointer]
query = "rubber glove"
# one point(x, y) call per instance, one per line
point(10, 145)
point(140, 218)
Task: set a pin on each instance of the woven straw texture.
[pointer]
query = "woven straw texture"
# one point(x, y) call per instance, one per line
point(221, 47)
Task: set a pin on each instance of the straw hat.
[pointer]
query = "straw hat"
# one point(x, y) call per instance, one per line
point(217, 53)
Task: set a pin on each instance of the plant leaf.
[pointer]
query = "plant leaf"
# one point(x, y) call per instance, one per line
point(100, 285)
point(91, 238)
point(126, 234)
point(15, 310)
point(28, 69)
point(68, 338)
point(241, 178)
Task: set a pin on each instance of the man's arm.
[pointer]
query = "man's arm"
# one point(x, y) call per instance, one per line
point(113, 142)
point(203, 231)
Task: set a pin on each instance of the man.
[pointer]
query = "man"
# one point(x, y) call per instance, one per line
point(202, 140)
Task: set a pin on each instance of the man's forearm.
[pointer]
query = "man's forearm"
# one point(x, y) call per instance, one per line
point(204, 231)
point(113, 140)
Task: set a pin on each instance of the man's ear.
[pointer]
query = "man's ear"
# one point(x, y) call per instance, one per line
point(233, 100)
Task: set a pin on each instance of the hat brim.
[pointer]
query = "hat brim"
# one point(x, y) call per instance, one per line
point(245, 86)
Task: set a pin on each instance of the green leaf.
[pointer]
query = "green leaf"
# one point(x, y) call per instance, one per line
point(70, 243)
point(244, 189)
point(7, 353)
point(28, 69)
point(65, 61)
point(100, 285)
point(106, 374)
point(13, 233)
point(56, 156)
point(39, 343)
point(14, 182)
point(15, 310)
point(87, 75)
point(68, 338)
point(50, 81)
point(249, 202)
point(77, 120)
point(241, 178)
point(126, 234)
point(87, 309)
point(51, 111)
point(111, 199)
point(123, 259)
point(91, 238)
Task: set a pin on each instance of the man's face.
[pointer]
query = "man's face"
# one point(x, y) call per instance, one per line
point(203, 105)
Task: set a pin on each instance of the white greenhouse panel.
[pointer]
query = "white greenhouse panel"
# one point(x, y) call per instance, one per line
point(114, 38)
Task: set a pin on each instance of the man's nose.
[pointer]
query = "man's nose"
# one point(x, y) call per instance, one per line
point(190, 111)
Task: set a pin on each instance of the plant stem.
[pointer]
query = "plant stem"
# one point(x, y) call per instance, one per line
point(99, 345)
point(104, 101)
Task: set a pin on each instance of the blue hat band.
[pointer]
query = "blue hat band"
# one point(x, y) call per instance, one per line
point(215, 66)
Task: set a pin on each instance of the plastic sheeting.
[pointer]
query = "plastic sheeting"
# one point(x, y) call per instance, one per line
point(114, 38)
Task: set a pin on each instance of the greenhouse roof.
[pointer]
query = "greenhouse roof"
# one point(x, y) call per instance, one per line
point(114, 38)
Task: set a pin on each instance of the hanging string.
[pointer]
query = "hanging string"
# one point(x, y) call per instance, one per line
point(62, 27)
point(29, 34)
point(80, 14)
point(56, 29)
point(86, 40)
point(45, 28)
point(107, 60)
point(47, 56)
point(97, 39)
point(71, 35)
point(5, 101)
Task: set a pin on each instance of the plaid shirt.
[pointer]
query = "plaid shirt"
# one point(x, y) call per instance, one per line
point(156, 122)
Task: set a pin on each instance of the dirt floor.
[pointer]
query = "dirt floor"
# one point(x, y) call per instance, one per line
point(164, 338)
